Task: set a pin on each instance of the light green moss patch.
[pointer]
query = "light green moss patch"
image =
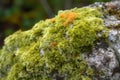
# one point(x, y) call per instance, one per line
point(53, 46)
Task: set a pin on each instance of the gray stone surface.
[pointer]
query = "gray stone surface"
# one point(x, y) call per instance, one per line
point(105, 55)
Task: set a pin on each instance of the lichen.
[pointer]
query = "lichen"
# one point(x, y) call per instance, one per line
point(53, 48)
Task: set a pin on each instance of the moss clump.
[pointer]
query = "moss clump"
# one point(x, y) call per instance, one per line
point(52, 48)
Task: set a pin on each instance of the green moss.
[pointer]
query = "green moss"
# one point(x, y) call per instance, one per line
point(53, 46)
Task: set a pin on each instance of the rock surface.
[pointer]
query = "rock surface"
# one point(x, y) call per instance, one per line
point(78, 44)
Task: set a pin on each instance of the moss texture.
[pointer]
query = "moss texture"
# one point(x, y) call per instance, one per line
point(53, 48)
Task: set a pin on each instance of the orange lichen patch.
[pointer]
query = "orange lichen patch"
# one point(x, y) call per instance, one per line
point(53, 44)
point(52, 20)
point(69, 17)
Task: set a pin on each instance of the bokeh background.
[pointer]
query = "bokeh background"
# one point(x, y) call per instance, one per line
point(23, 14)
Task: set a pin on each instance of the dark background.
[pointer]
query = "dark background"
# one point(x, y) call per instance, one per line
point(23, 14)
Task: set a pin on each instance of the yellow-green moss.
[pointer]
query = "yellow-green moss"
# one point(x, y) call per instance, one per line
point(52, 46)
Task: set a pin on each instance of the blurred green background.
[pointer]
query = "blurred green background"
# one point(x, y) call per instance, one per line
point(23, 14)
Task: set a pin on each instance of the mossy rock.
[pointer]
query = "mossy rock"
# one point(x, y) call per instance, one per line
point(54, 48)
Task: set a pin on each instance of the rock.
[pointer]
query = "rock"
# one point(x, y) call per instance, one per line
point(77, 44)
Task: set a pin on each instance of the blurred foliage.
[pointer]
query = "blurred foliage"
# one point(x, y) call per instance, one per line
point(23, 14)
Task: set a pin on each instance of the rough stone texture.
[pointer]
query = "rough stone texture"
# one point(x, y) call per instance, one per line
point(106, 55)
point(78, 44)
